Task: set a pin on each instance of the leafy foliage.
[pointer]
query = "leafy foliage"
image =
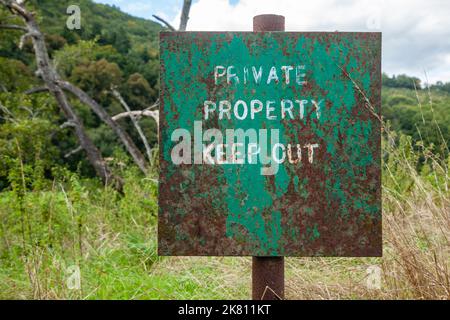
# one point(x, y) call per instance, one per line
point(401, 81)
point(111, 49)
point(421, 114)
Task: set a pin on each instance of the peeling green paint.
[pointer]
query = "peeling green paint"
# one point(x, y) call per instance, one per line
point(231, 209)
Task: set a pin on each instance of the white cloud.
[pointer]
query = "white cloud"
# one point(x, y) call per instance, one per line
point(416, 33)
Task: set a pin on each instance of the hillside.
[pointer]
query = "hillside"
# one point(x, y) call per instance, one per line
point(423, 114)
point(133, 40)
point(99, 20)
point(111, 49)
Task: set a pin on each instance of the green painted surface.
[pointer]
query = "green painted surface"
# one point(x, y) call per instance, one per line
point(327, 203)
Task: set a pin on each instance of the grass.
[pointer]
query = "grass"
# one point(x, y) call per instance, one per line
point(112, 239)
point(116, 252)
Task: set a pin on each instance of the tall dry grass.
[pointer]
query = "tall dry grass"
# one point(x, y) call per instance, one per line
point(416, 226)
point(416, 230)
point(416, 233)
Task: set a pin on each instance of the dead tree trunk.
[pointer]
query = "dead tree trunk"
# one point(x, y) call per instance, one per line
point(183, 19)
point(48, 74)
point(138, 128)
point(106, 118)
point(185, 15)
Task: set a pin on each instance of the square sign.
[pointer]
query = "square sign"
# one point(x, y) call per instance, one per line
point(270, 144)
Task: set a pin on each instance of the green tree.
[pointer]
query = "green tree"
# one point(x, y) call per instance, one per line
point(97, 77)
point(138, 91)
point(14, 75)
point(401, 81)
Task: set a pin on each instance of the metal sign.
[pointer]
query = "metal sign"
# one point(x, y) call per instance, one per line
point(270, 144)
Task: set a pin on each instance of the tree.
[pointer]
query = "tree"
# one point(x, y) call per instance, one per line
point(138, 90)
point(48, 74)
point(57, 88)
point(14, 74)
point(441, 86)
point(401, 81)
point(122, 42)
point(96, 76)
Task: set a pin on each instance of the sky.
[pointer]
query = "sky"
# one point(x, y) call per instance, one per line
point(416, 33)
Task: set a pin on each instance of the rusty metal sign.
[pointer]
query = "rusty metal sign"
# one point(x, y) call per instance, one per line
point(270, 144)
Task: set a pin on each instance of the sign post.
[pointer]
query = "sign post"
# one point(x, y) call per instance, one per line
point(268, 272)
point(270, 146)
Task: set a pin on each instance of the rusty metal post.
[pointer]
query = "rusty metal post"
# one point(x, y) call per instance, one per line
point(268, 22)
point(268, 278)
point(268, 272)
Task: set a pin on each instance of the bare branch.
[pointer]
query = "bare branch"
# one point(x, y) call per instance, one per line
point(183, 20)
point(23, 38)
point(185, 15)
point(153, 106)
point(168, 25)
point(128, 143)
point(36, 90)
point(17, 7)
point(13, 27)
point(30, 111)
point(138, 114)
point(68, 124)
point(9, 119)
point(74, 151)
point(6, 110)
point(135, 123)
point(10, 116)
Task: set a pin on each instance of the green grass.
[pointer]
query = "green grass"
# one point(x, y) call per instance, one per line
point(48, 226)
point(111, 238)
